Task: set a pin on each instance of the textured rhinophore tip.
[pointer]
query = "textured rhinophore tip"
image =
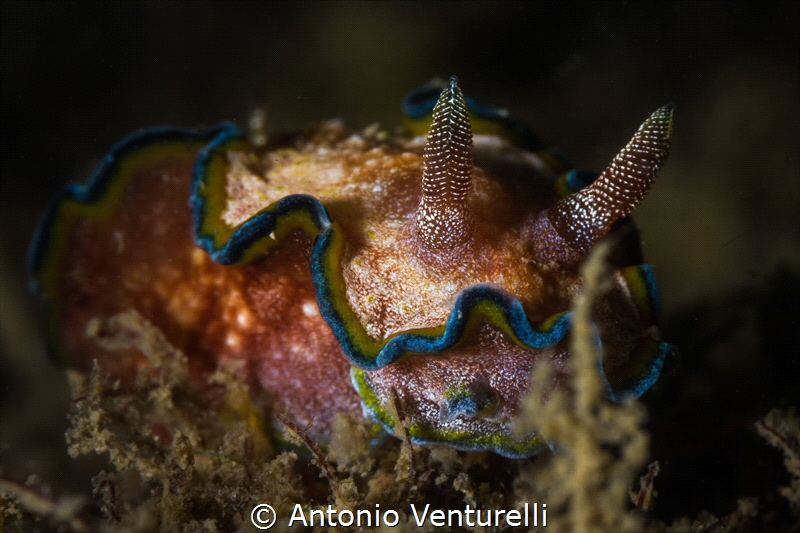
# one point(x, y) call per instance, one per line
point(586, 216)
point(443, 220)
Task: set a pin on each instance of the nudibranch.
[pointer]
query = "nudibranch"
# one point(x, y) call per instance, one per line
point(346, 273)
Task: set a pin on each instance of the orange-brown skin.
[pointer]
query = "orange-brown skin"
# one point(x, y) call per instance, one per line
point(421, 227)
point(264, 314)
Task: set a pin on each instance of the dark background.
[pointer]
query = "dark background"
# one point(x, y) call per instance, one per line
point(721, 226)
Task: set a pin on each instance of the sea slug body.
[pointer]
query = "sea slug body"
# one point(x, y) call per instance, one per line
point(347, 273)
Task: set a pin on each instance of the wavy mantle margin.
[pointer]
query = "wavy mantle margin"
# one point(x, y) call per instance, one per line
point(263, 231)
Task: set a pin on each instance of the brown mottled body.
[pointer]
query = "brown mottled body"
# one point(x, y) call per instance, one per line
point(440, 284)
point(264, 314)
